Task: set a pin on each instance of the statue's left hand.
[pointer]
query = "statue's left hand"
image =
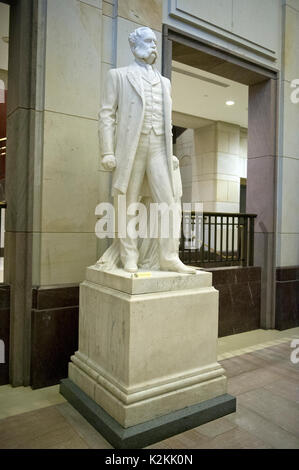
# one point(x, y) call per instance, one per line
point(175, 161)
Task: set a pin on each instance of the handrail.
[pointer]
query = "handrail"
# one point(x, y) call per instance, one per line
point(217, 238)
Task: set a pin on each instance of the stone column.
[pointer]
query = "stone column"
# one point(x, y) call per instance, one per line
point(23, 173)
point(261, 187)
point(287, 239)
point(217, 166)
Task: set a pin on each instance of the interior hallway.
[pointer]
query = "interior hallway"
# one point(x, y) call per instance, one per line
point(260, 374)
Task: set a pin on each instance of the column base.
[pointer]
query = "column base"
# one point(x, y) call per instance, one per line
point(149, 432)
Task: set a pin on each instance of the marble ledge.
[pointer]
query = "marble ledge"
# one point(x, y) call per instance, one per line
point(155, 281)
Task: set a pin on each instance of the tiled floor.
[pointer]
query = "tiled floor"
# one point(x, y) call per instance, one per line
point(264, 380)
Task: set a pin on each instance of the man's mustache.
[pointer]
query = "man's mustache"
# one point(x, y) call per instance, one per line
point(143, 52)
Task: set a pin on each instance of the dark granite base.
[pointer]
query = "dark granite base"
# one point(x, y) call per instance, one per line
point(155, 430)
point(239, 298)
point(287, 298)
point(55, 318)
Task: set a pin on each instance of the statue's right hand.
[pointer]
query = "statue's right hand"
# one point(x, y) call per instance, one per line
point(109, 162)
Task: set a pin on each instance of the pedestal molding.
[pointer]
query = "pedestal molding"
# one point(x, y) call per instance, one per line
point(129, 395)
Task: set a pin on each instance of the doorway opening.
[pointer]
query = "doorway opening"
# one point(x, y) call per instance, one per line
point(225, 128)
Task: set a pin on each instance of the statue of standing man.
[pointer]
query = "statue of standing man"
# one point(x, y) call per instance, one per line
point(136, 143)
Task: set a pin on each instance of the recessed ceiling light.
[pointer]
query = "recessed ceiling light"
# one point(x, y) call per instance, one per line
point(229, 103)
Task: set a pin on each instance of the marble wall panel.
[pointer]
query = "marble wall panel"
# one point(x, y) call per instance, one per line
point(227, 164)
point(292, 3)
point(108, 9)
point(291, 59)
point(258, 22)
point(73, 58)
point(291, 122)
point(223, 207)
point(289, 196)
point(147, 13)
point(261, 119)
point(233, 192)
point(204, 191)
point(93, 3)
point(107, 40)
point(260, 183)
point(205, 139)
point(65, 256)
point(228, 138)
point(16, 165)
point(70, 176)
point(287, 249)
point(217, 12)
point(4, 24)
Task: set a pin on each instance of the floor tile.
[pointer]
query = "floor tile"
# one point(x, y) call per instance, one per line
point(16, 400)
point(251, 380)
point(87, 432)
point(264, 429)
point(214, 428)
point(285, 388)
point(274, 408)
point(39, 429)
point(236, 438)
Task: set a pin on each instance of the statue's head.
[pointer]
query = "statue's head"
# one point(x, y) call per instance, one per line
point(143, 43)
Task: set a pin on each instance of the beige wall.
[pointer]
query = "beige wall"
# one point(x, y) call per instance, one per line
point(288, 166)
point(4, 31)
point(85, 39)
point(70, 182)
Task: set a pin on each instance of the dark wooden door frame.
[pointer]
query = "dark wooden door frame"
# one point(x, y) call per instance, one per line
point(262, 148)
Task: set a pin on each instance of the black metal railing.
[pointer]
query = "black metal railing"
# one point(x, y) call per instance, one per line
point(2, 227)
point(216, 238)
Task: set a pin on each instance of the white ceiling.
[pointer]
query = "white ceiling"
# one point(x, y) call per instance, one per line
point(4, 27)
point(203, 95)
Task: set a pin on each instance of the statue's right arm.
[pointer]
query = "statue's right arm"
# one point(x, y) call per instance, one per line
point(107, 120)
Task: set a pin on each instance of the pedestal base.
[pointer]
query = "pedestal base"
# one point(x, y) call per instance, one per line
point(147, 346)
point(155, 430)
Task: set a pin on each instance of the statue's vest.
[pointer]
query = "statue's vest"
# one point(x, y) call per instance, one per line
point(153, 113)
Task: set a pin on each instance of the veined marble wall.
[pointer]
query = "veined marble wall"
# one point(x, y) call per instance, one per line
point(4, 28)
point(287, 245)
point(84, 39)
point(70, 176)
point(218, 167)
point(184, 150)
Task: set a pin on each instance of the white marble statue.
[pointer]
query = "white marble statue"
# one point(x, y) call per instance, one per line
point(136, 142)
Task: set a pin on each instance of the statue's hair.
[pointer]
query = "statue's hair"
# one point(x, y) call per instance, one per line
point(137, 34)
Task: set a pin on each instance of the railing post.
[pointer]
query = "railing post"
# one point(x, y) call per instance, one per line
point(245, 243)
point(251, 241)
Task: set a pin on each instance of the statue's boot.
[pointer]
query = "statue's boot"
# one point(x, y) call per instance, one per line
point(176, 265)
point(131, 267)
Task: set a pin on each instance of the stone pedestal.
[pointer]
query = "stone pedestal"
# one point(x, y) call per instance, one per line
point(147, 345)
